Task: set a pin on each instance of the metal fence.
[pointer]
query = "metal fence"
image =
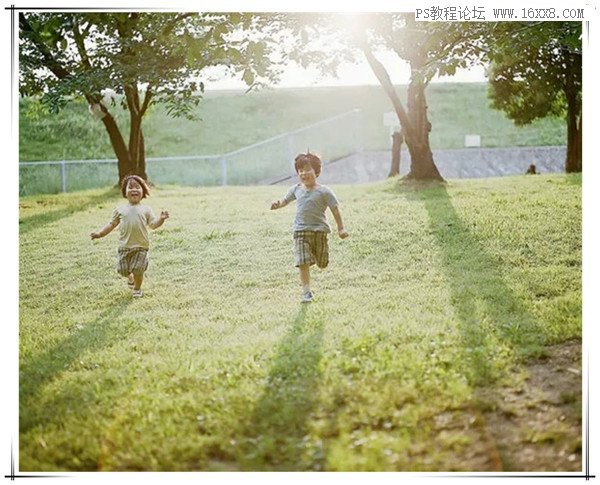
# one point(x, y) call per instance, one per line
point(332, 138)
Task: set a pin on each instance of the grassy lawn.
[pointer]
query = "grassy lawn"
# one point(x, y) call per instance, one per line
point(439, 295)
point(232, 120)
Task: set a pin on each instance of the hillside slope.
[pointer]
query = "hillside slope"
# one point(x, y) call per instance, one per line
point(228, 121)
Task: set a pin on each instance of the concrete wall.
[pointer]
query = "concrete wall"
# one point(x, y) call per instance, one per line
point(458, 163)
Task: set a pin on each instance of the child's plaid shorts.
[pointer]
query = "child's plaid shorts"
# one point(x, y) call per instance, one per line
point(132, 260)
point(310, 247)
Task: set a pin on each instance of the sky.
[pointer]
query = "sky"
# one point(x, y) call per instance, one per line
point(348, 75)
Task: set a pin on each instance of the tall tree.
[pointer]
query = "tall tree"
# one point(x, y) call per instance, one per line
point(536, 72)
point(145, 58)
point(430, 49)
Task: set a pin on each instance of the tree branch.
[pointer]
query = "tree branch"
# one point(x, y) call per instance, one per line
point(49, 60)
point(147, 98)
point(130, 97)
point(385, 81)
point(79, 42)
point(169, 26)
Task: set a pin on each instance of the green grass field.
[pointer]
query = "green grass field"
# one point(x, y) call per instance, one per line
point(231, 120)
point(439, 296)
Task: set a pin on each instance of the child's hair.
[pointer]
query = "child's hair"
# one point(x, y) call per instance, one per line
point(308, 159)
point(139, 180)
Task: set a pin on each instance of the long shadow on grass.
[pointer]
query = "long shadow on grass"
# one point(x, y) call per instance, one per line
point(36, 221)
point(37, 371)
point(488, 310)
point(276, 437)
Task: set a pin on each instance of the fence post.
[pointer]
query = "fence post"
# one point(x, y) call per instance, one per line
point(63, 173)
point(223, 170)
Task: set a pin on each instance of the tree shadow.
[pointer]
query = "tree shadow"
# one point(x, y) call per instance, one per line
point(36, 221)
point(488, 310)
point(276, 436)
point(37, 371)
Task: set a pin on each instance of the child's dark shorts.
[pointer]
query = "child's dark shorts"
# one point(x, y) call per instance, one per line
point(310, 247)
point(132, 260)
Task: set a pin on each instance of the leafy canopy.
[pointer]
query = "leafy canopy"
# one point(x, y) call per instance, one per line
point(534, 67)
point(66, 54)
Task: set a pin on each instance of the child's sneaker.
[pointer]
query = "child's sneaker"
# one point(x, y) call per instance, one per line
point(137, 293)
point(307, 297)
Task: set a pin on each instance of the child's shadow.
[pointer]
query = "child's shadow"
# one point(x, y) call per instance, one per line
point(278, 427)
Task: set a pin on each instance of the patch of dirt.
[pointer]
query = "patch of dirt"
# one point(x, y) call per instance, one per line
point(536, 423)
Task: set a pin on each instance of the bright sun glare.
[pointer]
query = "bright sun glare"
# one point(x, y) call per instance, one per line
point(353, 22)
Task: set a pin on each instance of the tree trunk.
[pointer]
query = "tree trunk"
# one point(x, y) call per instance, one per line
point(573, 159)
point(137, 148)
point(118, 144)
point(136, 137)
point(141, 165)
point(422, 166)
point(574, 113)
point(579, 145)
point(573, 163)
point(397, 140)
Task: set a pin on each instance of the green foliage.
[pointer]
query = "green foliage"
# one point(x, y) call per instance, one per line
point(220, 367)
point(534, 68)
point(81, 53)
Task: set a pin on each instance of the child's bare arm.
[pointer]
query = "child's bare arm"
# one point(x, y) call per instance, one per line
point(278, 204)
point(340, 224)
point(164, 215)
point(104, 231)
